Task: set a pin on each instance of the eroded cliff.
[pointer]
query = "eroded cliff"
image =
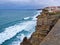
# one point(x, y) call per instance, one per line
point(45, 22)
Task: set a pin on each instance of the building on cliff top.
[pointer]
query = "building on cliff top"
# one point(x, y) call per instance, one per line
point(53, 9)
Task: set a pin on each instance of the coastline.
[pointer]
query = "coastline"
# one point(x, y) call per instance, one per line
point(45, 22)
point(19, 30)
point(34, 19)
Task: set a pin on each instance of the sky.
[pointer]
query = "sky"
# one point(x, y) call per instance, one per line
point(27, 4)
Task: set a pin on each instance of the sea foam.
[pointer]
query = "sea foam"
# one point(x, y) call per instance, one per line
point(13, 30)
point(26, 18)
point(31, 28)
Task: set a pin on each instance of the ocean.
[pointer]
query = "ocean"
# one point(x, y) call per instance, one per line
point(16, 24)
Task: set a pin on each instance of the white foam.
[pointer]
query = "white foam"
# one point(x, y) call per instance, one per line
point(38, 13)
point(26, 18)
point(19, 41)
point(13, 30)
point(28, 28)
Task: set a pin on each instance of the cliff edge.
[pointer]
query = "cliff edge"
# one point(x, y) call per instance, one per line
point(45, 21)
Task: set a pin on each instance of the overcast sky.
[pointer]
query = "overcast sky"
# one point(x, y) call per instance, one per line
point(27, 4)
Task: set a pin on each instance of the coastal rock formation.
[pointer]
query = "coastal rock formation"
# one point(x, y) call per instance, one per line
point(45, 22)
point(26, 42)
point(53, 38)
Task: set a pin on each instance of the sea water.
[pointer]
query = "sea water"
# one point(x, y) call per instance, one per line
point(16, 24)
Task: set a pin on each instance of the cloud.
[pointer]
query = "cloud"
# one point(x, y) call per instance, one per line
point(37, 2)
point(14, 1)
point(30, 3)
point(47, 2)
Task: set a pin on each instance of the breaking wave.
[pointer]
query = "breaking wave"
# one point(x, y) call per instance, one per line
point(13, 30)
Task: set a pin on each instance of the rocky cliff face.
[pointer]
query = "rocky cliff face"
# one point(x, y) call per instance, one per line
point(26, 42)
point(45, 22)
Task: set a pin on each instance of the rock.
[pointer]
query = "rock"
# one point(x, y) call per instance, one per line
point(45, 22)
point(25, 42)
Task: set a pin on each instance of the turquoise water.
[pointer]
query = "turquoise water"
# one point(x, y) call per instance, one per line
point(15, 25)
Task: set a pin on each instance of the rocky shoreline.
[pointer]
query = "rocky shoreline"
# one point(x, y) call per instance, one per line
point(45, 21)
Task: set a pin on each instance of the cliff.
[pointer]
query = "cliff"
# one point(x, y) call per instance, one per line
point(45, 22)
point(53, 38)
